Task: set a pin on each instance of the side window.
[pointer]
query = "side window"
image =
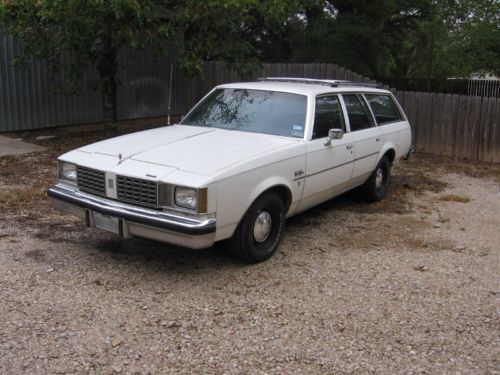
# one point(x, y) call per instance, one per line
point(384, 109)
point(357, 112)
point(328, 115)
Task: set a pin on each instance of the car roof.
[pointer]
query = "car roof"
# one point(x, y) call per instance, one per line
point(306, 86)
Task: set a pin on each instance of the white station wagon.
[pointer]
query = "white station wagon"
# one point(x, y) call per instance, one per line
point(246, 157)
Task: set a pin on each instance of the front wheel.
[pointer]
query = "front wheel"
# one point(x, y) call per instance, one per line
point(259, 232)
point(375, 188)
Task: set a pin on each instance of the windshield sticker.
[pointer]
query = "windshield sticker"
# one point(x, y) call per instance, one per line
point(297, 131)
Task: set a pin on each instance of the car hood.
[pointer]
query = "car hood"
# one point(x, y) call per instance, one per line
point(192, 149)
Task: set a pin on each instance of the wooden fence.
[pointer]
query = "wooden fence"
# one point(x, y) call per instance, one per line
point(189, 90)
point(471, 87)
point(460, 126)
point(454, 125)
point(444, 124)
point(484, 87)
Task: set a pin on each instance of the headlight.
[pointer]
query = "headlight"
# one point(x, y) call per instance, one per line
point(67, 171)
point(186, 197)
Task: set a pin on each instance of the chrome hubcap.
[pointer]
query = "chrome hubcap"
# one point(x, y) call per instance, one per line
point(262, 226)
point(379, 178)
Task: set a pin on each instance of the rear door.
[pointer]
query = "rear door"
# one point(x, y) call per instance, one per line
point(365, 136)
point(328, 167)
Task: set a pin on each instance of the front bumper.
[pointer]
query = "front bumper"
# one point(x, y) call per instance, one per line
point(135, 221)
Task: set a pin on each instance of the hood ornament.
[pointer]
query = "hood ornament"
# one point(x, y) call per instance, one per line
point(119, 159)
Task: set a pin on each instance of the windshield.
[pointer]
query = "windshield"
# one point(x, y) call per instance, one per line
point(256, 111)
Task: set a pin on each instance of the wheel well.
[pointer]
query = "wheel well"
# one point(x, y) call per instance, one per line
point(284, 193)
point(391, 155)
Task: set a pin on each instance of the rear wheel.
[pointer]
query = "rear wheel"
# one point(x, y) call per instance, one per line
point(375, 188)
point(259, 232)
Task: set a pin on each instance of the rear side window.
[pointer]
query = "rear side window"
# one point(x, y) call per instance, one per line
point(357, 111)
point(384, 109)
point(328, 115)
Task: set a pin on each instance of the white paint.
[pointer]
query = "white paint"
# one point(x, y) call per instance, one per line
point(237, 166)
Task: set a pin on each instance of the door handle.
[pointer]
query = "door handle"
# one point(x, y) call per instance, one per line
point(349, 147)
point(378, 139)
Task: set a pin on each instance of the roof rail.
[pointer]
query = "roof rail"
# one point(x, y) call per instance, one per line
point(326, 82)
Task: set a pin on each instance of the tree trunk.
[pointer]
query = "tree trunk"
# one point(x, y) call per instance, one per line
point(430, 60)
point(107, 67)
point(108, 88)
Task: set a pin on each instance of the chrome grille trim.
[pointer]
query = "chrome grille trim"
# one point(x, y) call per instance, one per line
point(137, 191)
point(91, 180)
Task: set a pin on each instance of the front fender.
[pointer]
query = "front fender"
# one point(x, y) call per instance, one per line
point(273, 182)
point(235, 195)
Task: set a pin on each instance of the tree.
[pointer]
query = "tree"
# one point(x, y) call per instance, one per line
point(455, 38)
point(417, 39)
point(364, 36)
point(234, 31)
point(412, 39)
point(74, 35)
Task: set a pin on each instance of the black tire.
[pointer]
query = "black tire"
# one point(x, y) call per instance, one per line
point(251, 244)
point(375, 188)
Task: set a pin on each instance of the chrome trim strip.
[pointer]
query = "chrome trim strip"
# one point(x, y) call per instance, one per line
point(337, 166)
point(156, 219)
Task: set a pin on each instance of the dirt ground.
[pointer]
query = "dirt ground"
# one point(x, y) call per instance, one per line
point(407, 285)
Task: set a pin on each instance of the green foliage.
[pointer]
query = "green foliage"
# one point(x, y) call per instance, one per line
point(233, 31)
point(73, 35)
point(394, 38)
point(378, 38)
point(76, 34)
point(364, 36)
point(457, 38)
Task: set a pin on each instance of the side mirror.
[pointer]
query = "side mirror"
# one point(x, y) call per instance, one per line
point(334, 134)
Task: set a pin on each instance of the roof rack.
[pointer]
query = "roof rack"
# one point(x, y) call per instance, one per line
point(325, 82)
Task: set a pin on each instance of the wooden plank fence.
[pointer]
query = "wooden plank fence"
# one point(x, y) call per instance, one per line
point(444, 124)
point(193, 88)
point(484, 87)
point(454, 125)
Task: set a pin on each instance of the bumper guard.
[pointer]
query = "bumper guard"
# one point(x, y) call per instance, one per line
point(135, 221)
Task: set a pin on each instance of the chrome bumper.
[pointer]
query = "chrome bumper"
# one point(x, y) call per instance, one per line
point(407, 156)
point(135, 221)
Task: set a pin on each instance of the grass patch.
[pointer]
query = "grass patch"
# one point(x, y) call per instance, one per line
point(15, 198)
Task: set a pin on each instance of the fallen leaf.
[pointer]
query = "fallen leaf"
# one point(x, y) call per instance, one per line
point(420, 268)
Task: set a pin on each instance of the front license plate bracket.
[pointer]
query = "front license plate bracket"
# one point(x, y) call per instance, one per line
point(106, 222)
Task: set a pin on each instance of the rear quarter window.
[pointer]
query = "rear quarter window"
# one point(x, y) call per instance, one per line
point(384, 109)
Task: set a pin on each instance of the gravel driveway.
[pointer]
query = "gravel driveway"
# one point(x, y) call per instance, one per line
point(407, 285)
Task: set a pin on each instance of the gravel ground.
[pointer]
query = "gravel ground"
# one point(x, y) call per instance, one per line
point(408, 285)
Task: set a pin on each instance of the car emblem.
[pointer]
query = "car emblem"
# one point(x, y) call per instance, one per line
point(299, 173)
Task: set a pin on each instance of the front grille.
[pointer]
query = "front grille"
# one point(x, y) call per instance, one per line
point(131, 190)
point(91, 181)
point(137, 191)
